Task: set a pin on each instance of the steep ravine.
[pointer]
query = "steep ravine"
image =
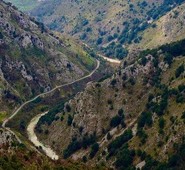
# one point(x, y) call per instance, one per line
point(31, 127)
point(34, 121)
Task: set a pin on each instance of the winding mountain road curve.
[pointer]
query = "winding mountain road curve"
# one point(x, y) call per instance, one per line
point(45, 149)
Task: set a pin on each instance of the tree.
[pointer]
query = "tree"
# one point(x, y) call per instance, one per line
point(132, 81)
point(72, 147)
point(179, 71)
point(181, 88)
point(110, 38)
point(145, 119)
point(183, 115)
point(143, 61)
point(109, 136)
point(142, 135)
point(61, 118)
point(115, 121)
point(68, 108)
point(99, 41)
point(119, 142)
point(22, 125)
point(120, 112)
point(168, 58)
point(1, 35)
point(125, 158)
point(113, 82)
point(84, 159)
point(161, 123)
point(180, 98)
point(94, 150)
point(69, 120)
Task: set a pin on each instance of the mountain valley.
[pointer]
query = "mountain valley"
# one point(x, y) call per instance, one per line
point(97, 85)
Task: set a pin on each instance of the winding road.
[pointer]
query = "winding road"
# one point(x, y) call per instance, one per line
point(45, 149)
point(31, 127)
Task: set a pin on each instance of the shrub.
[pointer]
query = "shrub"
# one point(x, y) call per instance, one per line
point(145, 119)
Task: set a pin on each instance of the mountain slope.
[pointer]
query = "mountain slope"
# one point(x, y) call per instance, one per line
point(33, 59)
point(23, 158)
point(108, 26)
point(167, 29)
point(139, 112)
point(133, 119)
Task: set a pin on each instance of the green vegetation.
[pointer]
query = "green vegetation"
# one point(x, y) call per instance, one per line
point(175, 161)
point(69, 120)
point(116, 33)
point(2, 116)
point(125, 158)
point(145, 119)
point(76, 145)
point(115, 121)
point(149, 86)
point(50, 117)
point(94, 150)
point(179, 71)
point(161, 123)
point(114, 146)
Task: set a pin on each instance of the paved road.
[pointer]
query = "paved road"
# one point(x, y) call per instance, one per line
point(41, 95)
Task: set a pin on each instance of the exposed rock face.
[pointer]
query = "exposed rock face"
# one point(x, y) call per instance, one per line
point(33, 59)
point(173, 23)
point(87, 112)
point(5, 137)
point(91, 108)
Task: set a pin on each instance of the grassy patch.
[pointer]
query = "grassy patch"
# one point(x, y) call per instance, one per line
point(2, 116)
